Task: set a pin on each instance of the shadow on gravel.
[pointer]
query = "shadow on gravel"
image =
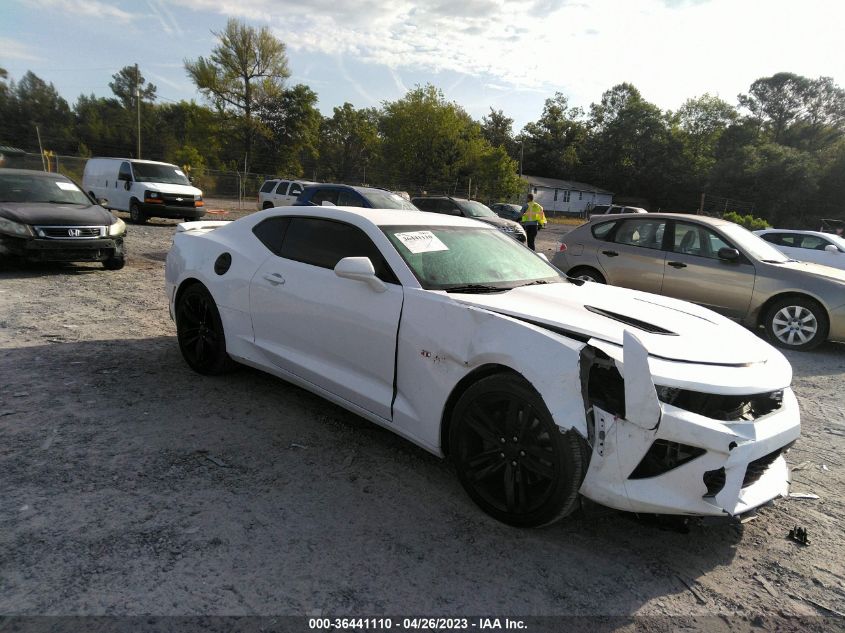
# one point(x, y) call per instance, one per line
point(16, 269)
point(132, 485)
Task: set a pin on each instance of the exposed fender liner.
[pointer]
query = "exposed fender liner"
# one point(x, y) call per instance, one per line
point(641, 404)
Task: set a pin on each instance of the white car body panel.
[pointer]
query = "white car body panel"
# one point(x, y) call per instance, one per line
point(541, 332)
point(834, 259)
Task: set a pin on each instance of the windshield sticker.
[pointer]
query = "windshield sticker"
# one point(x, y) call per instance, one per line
point(421, 242)
point(66, 186)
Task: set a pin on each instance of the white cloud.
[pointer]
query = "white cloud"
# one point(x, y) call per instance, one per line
point(13, 49)
point(670, 49)
point(87, 8)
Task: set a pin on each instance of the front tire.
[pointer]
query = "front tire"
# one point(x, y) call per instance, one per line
point(511, 457)
point(200, 332)
point(135, 214)
point(587, 274)
point(797, 323)
point(114, 263)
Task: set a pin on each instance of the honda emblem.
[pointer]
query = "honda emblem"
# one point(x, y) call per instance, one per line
point(74, 232)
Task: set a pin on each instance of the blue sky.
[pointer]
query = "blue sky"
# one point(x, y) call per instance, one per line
point(508, 54)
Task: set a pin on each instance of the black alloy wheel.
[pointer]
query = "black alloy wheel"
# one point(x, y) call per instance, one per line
point(511, 457)
point(135, 214)
point(200, 332)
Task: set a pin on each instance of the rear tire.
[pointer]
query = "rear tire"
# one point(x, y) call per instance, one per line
point(200, 332)
point(586, 273)
point(511, 457)
point(135, 214)
point(267, 205)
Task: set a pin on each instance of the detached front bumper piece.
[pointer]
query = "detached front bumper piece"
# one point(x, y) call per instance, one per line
point(663, 459)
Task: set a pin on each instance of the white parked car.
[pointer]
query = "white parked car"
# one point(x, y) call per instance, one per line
point(808, 246)
point(458, 338)
point(280, 193)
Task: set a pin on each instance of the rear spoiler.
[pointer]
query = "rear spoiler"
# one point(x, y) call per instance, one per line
point(201, 225)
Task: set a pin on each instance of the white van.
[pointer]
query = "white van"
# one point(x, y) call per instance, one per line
point(144, 188)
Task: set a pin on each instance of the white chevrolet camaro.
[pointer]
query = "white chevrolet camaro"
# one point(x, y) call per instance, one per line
point(537, 387)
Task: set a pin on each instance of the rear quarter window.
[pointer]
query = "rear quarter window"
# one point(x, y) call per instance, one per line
point(602, 230)
point(268, 186)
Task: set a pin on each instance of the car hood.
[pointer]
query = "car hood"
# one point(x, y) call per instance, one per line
point(165, 187)
point(798, 269)
point(498, 222)
point(669, 329)
point(41, 213)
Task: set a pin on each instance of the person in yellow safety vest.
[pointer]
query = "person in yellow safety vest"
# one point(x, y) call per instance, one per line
point(533, 219)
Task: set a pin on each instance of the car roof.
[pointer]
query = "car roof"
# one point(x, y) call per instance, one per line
point(358, 188)
point(32, 172)
point(704, 219)
point(379, 217)
point(434, 197)
point(133, 160)
point(800, 231)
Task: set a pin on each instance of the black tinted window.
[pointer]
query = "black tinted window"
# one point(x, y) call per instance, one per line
point(324, 195)
point(271, 232)
point(324, 243)
point(349, 199)
point(125, 172)
point(774, 238)
point(268, 186)
point(295, 189)
point(426, 204)
point(448, 207)
point(282, 189)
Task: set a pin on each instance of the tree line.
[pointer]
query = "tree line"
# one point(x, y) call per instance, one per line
point(780, 148)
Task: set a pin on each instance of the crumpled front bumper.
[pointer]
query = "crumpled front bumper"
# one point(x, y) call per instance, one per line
point(743, 450)
point(740, 465)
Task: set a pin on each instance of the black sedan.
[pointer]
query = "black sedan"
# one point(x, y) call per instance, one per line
point(46, 217)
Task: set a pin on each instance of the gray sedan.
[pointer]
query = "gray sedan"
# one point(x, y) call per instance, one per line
point(716, 264)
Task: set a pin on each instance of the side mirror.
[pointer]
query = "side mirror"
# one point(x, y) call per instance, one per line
point(327, 203)
point(103, 202)
point(730, 254)
point(359, 269)
point(831, 248)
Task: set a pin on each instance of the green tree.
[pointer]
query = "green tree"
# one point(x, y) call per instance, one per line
point(777, 101)
point(632, 152)
point(290, 124)
point(34, 102)
point(497, 129)
point(553, 145)
point(700, 123)
point(124, 83)
point(248, 67)
point(349, 142)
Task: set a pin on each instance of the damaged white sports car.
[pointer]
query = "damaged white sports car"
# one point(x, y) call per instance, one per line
point(468, 344)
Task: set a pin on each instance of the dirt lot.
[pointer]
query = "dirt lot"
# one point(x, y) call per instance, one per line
point(130, 485)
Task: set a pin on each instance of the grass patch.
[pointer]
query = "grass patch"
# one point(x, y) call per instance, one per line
point(565, 220)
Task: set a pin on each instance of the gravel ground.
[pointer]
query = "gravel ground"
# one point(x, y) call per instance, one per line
point(130, 485)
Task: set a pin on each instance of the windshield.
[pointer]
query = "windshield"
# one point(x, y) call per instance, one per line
point(450, 257)
point(40, 188)
point(754, 246)
point(388, 200)
point(475, 209)
point(150, 172)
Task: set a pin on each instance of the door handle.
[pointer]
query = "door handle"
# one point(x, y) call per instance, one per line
point(274, 278)
point(677, 264)
point(610, 253)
